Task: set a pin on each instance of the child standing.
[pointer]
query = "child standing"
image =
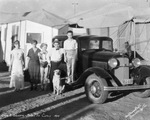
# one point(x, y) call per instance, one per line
point(70, 56)
point(44, 64)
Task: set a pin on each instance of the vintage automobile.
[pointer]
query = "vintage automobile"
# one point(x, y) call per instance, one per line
point(102, 71)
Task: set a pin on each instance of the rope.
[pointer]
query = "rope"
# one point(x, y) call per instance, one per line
point(121, 31)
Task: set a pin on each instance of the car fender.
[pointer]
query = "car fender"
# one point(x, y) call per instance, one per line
point(93, 70)
point(140, 72)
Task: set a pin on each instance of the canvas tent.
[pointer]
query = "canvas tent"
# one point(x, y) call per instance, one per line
point(106, 21)
point(137, 32)
point(40, 25)
point(120, 22)
point(41, 16)
point(110, 15)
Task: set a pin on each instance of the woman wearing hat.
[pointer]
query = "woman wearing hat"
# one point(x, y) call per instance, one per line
point(55, 54)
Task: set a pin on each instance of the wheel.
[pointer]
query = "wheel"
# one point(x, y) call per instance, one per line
point(143, 93)
point(94, 89)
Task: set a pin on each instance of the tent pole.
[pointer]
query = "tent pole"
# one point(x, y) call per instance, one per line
point(6, 31)
point(52, 37)
point(134, 39)
point(20, 32)
point(25, 36)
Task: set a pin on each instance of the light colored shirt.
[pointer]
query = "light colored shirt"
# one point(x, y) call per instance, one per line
point(70, 44)
point(70, 47)
point(56, 55)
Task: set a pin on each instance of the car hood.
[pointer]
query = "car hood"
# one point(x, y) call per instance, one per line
point(97, 55)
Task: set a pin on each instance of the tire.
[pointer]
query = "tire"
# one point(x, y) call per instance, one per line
point(93, 93)
point(143, 93)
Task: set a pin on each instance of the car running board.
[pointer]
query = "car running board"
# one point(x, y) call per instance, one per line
point(136, 87)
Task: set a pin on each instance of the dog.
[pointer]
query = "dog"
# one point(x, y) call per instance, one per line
point(58, 86)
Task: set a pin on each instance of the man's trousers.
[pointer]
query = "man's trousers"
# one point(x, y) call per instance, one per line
point(70, 62)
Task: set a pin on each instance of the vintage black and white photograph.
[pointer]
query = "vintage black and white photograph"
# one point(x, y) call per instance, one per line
point(74, 59)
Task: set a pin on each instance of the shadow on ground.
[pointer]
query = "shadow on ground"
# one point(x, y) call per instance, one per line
point(3, 66)
point(113, 96)
point(71, 107)
point(66, 109)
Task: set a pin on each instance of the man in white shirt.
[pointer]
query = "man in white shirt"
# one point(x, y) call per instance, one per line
point(70, 55)
point(55, 55)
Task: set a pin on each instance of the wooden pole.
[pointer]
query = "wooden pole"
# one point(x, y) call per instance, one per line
point(134, 38)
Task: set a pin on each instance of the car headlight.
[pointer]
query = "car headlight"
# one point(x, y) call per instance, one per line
point(113, 63)
point(136, 62)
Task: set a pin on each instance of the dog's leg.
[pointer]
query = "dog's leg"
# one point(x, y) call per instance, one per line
point(54, 87)
point(63, 88)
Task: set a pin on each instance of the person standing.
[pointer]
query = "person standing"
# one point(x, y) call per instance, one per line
point(16, 67)
point(55, 55)
point(33, 65)
point(70, 56)
point(129, 53)
point(44, 66)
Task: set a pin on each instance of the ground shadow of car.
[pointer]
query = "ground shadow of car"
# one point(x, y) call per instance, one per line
point(114, 96)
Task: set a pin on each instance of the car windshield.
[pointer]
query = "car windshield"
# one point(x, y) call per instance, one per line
point(96, 44)
point(107, 45)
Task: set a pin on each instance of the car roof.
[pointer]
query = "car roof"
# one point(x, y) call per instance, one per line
point(95, 37)
point(82, 37)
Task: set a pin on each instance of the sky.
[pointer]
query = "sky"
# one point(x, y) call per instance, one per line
point(63, 8)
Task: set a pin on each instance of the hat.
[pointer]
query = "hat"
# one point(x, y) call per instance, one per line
point(56, 41)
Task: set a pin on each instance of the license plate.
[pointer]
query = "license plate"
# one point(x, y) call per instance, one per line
point(128, 81)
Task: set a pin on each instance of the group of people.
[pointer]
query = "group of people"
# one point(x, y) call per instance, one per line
point(40, 61)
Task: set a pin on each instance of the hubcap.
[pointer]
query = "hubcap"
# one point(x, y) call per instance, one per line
point(96, 89)
point(93, 89)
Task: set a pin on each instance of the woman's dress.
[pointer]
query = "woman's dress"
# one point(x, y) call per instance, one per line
point(17, 77)
point(34, 66)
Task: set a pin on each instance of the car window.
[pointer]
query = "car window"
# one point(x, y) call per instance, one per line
point(94, 44)
point(107, 45)
point(88, 44)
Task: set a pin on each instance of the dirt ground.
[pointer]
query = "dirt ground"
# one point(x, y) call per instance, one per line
point(71, 105)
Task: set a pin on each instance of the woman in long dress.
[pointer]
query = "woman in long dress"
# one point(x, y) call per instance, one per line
point(16, 67)
point(33, 65)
